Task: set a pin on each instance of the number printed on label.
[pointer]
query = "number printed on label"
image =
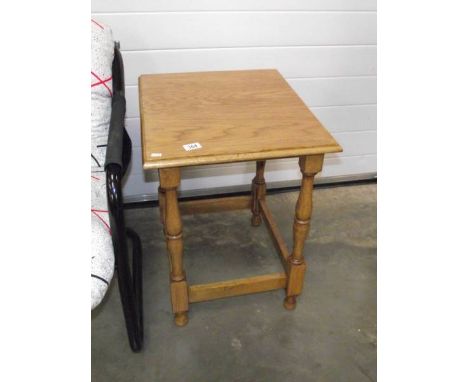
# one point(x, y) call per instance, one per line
point(192, 146)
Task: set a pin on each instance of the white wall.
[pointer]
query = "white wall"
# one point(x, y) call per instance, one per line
point(326, 49)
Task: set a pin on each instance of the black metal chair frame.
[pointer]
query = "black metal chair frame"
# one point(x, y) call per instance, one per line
point(119, 152)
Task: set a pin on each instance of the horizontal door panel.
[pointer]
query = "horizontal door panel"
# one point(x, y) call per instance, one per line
point(323, 61)
point(240, 29)
point(230, 5)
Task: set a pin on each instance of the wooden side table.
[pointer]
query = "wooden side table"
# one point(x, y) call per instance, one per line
point(218, 117)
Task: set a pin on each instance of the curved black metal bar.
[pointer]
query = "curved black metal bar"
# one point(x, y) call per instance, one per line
point(119, 151)
point(137, 276)
point(130, 281)
point(118, 74)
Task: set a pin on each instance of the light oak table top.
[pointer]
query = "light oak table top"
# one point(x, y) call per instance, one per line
point(234, 115)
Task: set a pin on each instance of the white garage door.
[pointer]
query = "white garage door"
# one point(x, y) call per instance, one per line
point(326, 49)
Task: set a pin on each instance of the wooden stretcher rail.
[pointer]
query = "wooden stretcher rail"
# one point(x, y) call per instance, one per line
point(228, 203)
point(275, 233)
point(237, 287)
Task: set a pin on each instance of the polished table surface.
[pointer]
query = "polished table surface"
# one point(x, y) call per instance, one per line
point(233, 115)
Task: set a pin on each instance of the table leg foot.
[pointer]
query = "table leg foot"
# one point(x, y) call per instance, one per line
point(181, 318)
point(289, 302)
point(256, 220)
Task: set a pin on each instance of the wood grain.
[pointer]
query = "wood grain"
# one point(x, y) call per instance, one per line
point(170, 180)
point(310, 166)
point(248, 285)
point(235, 116)
point(228, 203)
point(353, 144)
point(315, 92)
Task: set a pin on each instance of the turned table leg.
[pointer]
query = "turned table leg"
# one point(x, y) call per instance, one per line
point(310, 166)
point(258, 192)
point(170, 180)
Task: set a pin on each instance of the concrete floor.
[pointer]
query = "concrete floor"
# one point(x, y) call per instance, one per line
point(331, 336)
